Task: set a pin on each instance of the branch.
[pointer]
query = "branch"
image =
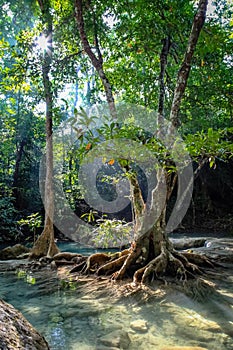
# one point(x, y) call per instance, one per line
point(66, 58)
point(86, 46)
point(97, 40)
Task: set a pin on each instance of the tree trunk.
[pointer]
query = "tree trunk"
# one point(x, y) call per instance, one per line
point(184, 70)
point(45, 244)
point(97, 62)
point(152, 254)
point(163, 64)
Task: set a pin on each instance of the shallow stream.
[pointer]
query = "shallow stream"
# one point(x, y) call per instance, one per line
point(72, 321)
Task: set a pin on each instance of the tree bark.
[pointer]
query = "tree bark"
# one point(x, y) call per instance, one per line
point(163, 64)
point(97, 61)
point(185, 68)
point(45, 244)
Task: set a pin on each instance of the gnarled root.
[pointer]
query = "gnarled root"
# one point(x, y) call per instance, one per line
point(129, 261)
point(111, 266)
point(95, 261)
point(199, 260)
point(155, 266)
point(102, 263)
point(169, 263)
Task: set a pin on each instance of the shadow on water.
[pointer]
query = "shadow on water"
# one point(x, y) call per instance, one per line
point(75, 320)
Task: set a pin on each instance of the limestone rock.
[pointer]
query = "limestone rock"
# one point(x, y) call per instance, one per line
point(187, 242)
point(15, 252)
point(139, 325)
point(116, 339)
point(16, 332)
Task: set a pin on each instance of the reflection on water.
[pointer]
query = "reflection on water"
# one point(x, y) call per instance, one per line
point(80, 322)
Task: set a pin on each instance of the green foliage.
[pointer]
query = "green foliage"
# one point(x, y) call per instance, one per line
point(211, 144)
point(8, 219)
point(27, 277)
point(33, 221)
point(90, 216)
point(68, 284)
point(112, 233)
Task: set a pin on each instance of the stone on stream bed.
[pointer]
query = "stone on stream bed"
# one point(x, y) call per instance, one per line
point(139, 326)
point(117, 339)
point(183, 348)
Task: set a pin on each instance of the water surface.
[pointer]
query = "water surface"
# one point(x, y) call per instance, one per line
point(73, 321)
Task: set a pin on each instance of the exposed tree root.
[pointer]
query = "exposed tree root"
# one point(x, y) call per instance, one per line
point(111, 267)
point(198, 259)
point(169, 264)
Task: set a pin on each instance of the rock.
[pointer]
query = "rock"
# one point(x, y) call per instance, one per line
point(139, 326)
point(15, 252)
point(66, 256)
point(55, 317)
point(16, 332)
point(183, 348)
point(116, 339)
point(105, 348)
point(187, 243)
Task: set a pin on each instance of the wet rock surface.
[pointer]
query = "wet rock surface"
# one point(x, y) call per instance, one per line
point(139, 326)
point(213, 247)
point(183, 348)
point(16, 332)
point(117, 339)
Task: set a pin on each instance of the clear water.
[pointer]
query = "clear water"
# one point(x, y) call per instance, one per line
point(74, 321)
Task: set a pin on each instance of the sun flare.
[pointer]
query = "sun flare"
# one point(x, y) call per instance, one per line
point(44, 43)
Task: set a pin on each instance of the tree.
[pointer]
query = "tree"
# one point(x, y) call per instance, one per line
point(97, 61)
point(152, 252)
point(21, 133)
point(45, 244)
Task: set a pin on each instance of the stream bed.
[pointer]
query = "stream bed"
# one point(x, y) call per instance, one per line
point(73, 321)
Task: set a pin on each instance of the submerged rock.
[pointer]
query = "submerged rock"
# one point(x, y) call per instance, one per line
point(16, 332)
point(183, 348)
point(139, 326)
point(105, 348)
point(116, 339)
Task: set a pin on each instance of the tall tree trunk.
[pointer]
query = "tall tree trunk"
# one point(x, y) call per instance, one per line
point(45, 244)
point(152, 254)
point(97, 61)
point(186, 65)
